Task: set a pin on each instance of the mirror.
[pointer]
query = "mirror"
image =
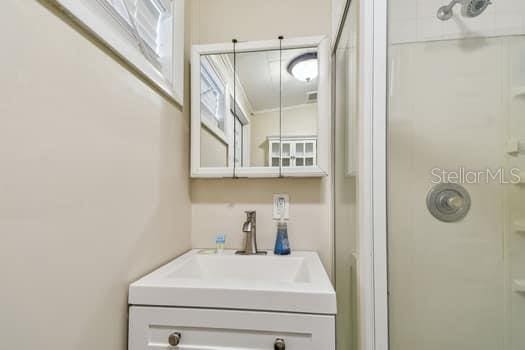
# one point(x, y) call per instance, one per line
point(299, 117)
point(259, 74)
point(258, 112)
point(216, 132)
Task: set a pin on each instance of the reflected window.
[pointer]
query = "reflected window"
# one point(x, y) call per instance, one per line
point(212, 97)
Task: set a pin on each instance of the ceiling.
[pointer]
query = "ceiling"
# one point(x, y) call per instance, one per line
point(259, 73)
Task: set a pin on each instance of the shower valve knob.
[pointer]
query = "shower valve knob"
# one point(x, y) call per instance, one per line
point(174, 338)
point(279, 344)
point(448, 202)
point(455, 202)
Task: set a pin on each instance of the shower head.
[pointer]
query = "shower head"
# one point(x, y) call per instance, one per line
point(474, 8)
point(469, 8)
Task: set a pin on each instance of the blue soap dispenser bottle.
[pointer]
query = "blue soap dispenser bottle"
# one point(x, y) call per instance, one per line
point(282, 244)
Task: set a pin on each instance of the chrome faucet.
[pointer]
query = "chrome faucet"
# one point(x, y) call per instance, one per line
point(249, 228)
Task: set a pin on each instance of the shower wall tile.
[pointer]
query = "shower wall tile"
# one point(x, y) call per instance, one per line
point(426, 8)
point(407, 30)
point(403, 10)
point(509, 24)
point(509, 6)
point(446, 280)
point(503, 17)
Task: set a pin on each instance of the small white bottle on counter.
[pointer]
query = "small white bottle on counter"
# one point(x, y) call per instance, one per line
point(220, 241)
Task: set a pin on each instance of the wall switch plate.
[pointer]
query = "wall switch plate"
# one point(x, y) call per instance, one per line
point(281, 204)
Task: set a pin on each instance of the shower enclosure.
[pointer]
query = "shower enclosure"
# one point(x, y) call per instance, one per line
point(454, 113)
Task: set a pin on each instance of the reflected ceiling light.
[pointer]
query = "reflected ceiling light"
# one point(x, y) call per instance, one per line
point(304, 67)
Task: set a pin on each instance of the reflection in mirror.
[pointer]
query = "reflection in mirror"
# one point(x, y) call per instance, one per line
point(300, 114)
point(248, 132)
point(258, 74)
point(215, 133)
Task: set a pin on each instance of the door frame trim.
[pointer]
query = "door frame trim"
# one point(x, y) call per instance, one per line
point(373, 188)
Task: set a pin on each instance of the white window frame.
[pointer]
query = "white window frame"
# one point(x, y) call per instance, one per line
point(245, 122)
point(91, 15)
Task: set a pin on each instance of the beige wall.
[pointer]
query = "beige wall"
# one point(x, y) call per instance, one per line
point(218, 205)
point(298, 120)
point(222, 20)
point(94, 185)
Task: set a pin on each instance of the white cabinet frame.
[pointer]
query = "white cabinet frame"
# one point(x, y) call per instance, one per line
point(323, 109)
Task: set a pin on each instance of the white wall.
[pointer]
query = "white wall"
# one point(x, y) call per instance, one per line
point(415, 20)
point(94, 184)
point(218, 205)
point(453, 105)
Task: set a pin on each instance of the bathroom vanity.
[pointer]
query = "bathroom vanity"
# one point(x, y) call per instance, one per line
point(210, 301)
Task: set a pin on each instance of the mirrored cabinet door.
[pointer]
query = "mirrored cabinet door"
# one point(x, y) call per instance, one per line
point(215, 124)
point(300, 108)
point(257, 94)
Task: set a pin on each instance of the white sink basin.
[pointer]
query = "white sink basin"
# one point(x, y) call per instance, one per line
point(294, 283)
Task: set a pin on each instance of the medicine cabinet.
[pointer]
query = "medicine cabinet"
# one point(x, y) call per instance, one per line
point(261, 108)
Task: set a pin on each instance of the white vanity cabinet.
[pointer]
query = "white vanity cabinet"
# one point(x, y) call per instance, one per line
point(208, 301)
point(150, 328)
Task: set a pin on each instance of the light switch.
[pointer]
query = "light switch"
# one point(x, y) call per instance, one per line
point(281, 206)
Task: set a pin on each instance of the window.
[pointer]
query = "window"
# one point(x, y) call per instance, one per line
point(146, 33)
point(213, 99)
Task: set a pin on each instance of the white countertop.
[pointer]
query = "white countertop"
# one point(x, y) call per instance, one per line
point(293, 283)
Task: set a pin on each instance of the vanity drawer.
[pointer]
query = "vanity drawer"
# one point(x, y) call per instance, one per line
point(209, 329)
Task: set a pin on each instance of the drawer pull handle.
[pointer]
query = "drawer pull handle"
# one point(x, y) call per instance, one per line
point(174, 338)
point(279, 344)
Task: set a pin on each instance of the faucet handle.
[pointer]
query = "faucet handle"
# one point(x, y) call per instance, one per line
point(250, 213)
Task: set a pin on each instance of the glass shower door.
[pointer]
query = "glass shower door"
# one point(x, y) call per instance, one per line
point(345, 177)
point(456, 161)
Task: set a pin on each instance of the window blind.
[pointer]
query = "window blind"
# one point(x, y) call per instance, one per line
point(150, 24)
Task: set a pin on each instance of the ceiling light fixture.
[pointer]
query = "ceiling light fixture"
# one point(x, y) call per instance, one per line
point(304, 67)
